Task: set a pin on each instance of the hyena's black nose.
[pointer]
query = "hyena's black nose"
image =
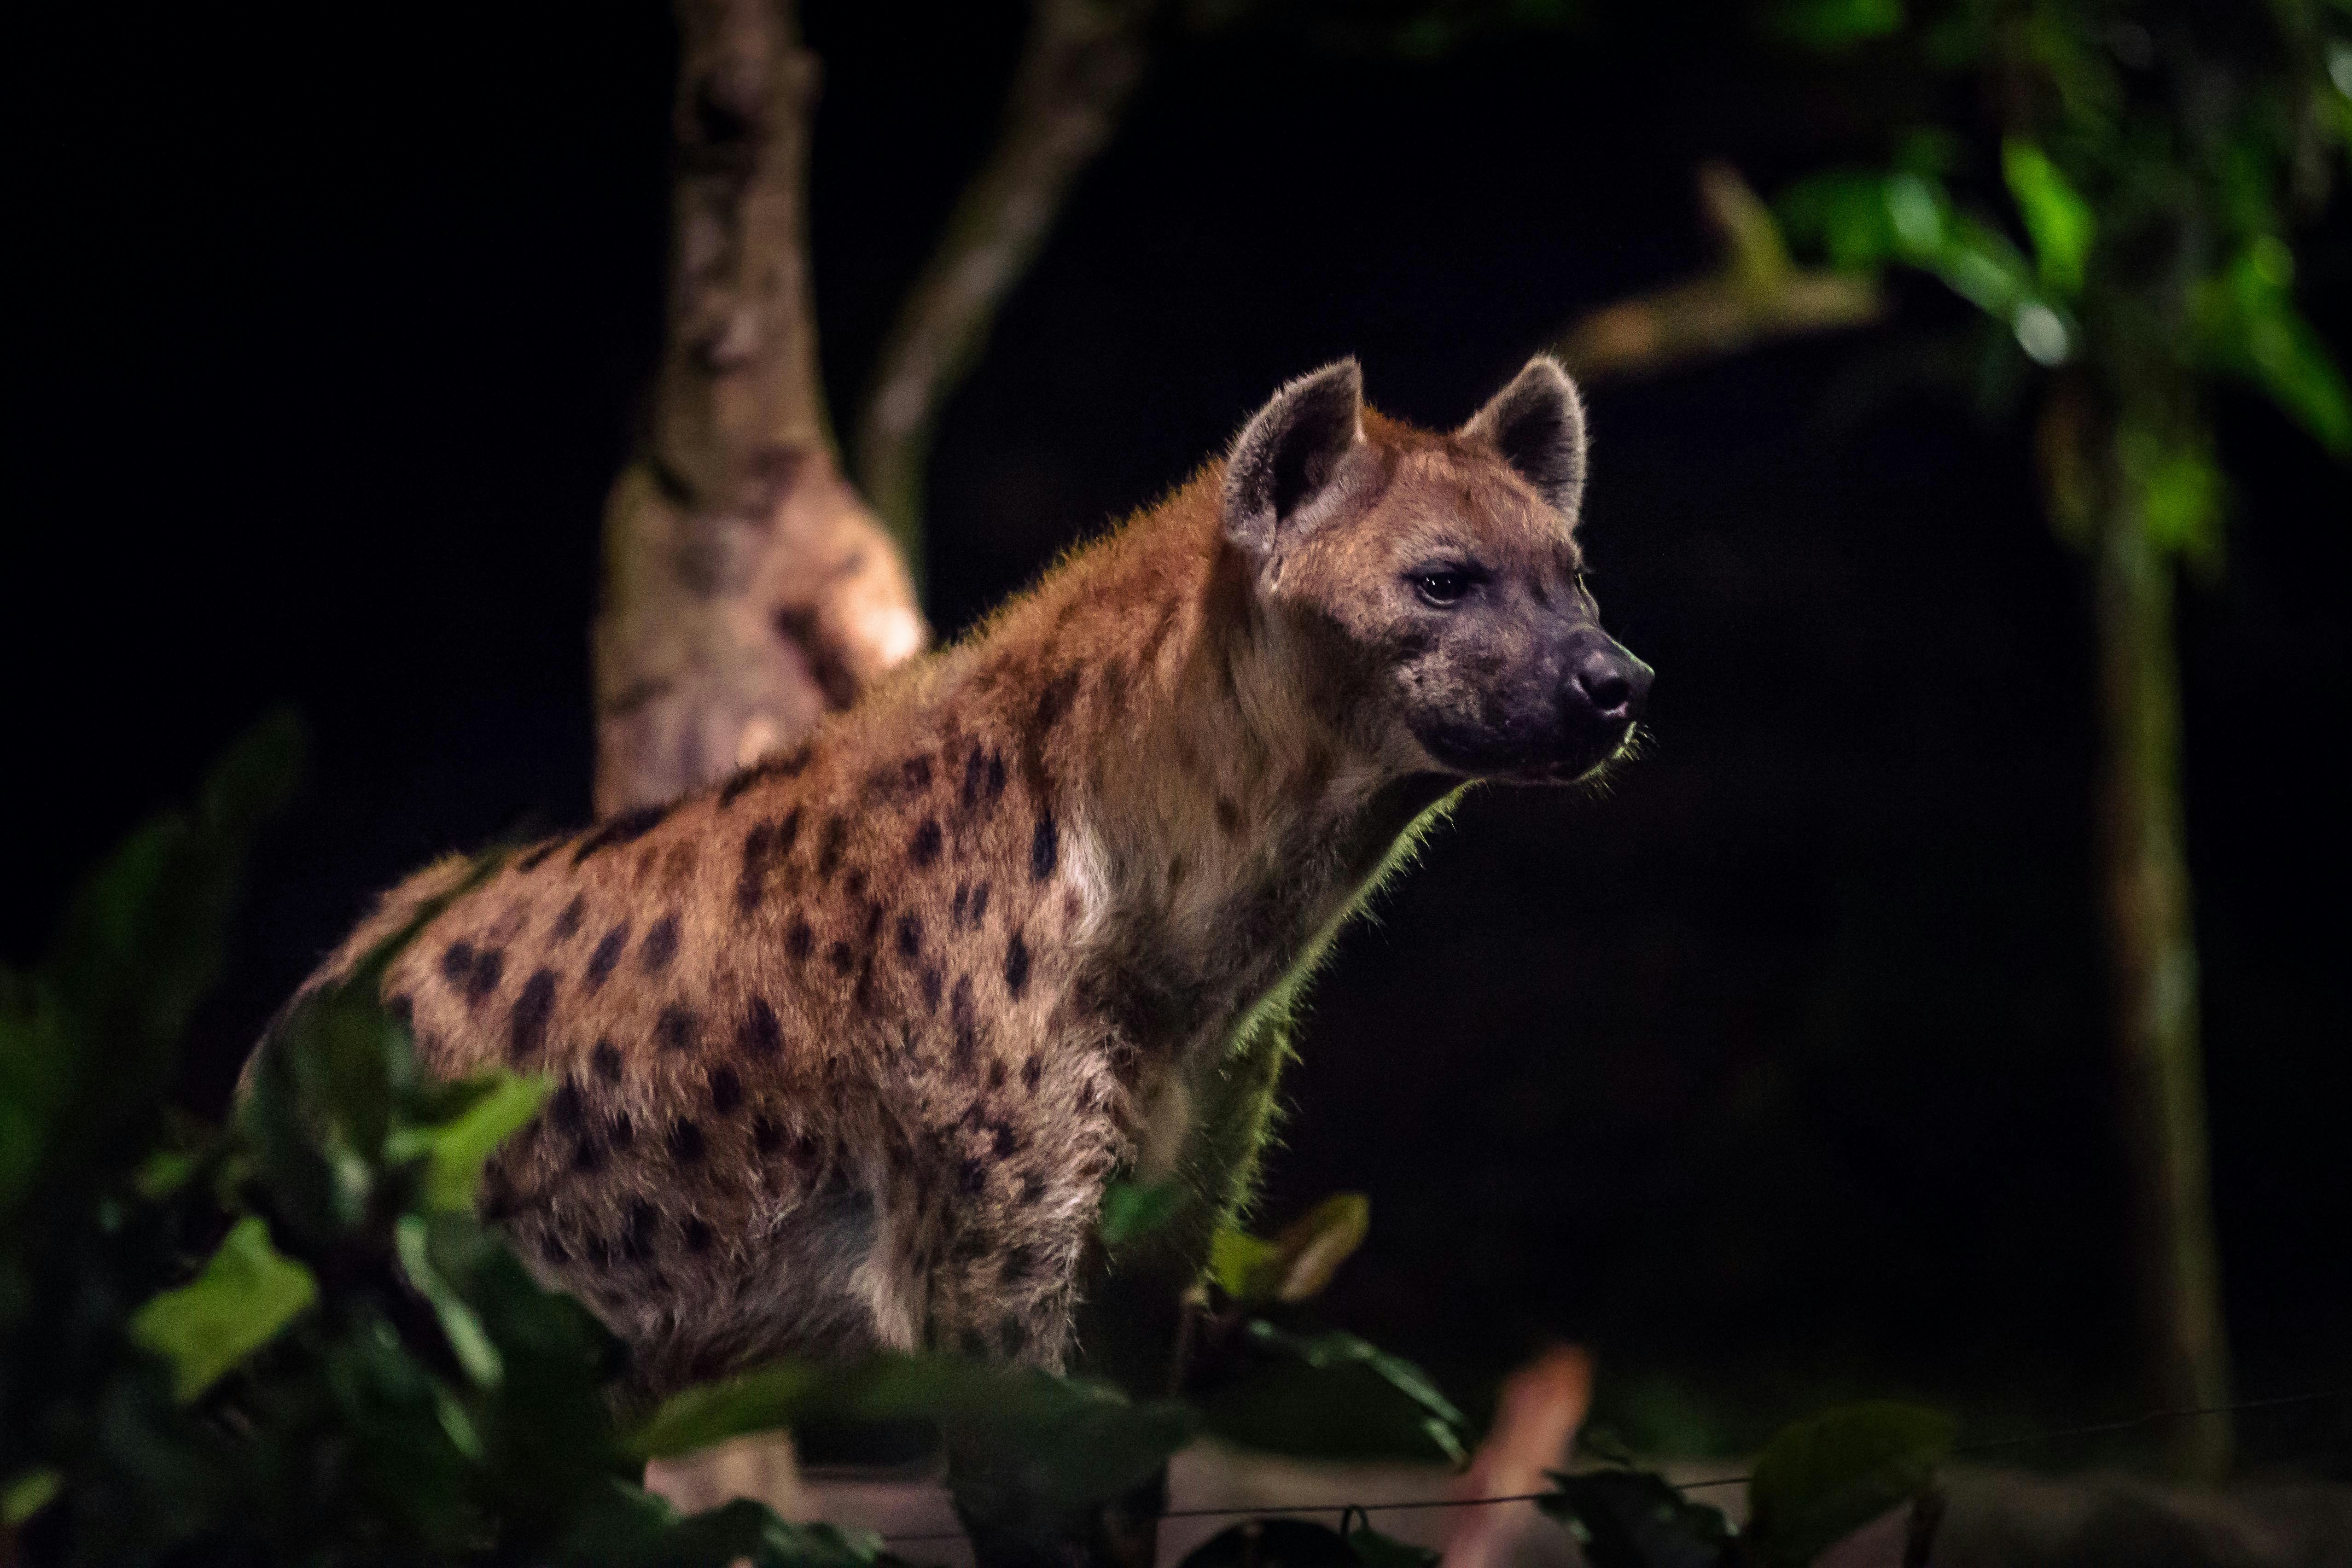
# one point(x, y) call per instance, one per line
point(1609, 682)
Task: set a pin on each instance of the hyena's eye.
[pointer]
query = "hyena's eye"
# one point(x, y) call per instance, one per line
point(1443, 587)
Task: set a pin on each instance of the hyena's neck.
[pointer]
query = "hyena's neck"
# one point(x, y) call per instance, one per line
point(1224, 818)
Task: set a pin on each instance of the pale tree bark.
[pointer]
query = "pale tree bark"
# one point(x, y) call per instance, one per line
point(1757, 295)
point(747, 589)
point(1077, 69)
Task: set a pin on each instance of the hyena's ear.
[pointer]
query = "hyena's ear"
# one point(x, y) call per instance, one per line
point(1284, 461)
point(1537, 423)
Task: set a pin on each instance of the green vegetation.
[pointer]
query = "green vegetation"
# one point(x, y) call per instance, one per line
point(289, 1339)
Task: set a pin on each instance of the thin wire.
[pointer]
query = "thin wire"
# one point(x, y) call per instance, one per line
point(1345, 1510)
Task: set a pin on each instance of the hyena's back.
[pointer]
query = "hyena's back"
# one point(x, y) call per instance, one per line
point(820, 1083)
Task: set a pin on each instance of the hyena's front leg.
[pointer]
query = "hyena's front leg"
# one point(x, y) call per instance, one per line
point(1018, 1201)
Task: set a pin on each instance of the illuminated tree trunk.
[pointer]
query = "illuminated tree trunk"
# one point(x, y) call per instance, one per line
point(747, 588)
point(2153, 968)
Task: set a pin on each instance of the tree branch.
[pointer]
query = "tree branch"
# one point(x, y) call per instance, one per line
point(747, 588)
point(1757, 295)
point(1080, 64)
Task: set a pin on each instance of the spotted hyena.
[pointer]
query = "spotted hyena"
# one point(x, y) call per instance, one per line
point(847, 1047)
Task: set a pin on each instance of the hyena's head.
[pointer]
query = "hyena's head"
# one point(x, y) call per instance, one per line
point(1435, 581)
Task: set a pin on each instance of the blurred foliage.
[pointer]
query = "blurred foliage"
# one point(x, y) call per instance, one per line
point(290, 1339)
point(1817, 1481)
point(2130, 222)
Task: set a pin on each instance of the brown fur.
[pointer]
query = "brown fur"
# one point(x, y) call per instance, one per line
point(847, 1047)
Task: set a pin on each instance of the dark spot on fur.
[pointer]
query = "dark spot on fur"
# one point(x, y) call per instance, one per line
point(910, 935)
point(829, 851)
point(799, 940)
point(488, 964)
point(552, 1249)
point(996, 1075)
point(638, 1238)
point(1033, 1072)
point(627, 828)
point(767, 1136)
point(588, 1156)
point(915, 772)
point(676, 1027)
point(726, 1090)
point(1229, 816)
point(527, 1035)
point(596, 1250)
point(932, 983)
point(861, 995)
point(842, 956)
point(790, 765)
point(956, 908)
point(975, 775)
point(695, 1233)
point(855, 883)
point(607, 954)
point(660, 945)
point(402, 1006)
point(1045, 848)
point(567, 924)
point(1033, 1189)
point(607, 1060)
point(752, 882)
point(925, 850)
point(686, 1143)
point(537, 857)
point(458, 963)
point(996, 786)
point(979, 904)
point(804, 1154)
point(874, 913)
point(1055, 701)
point(565, 1107)
point(623, 1132)
point(1014, 1334)
point(972, 1177)
point(1008, 1142)
point(1016, 965)
point(761, 1033)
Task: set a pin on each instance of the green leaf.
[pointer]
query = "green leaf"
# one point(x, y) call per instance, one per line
point(1297, 1263)
point(2056, 214)
point(1133, 1209)
point(469, 1342)
point(1332, 1395)
point(1820, 1479)
point(1632, 1518)
point(2247, 324)
point(1074, 1443)
point(1833, 27)
point(27, 1493)
point(761, 1400)
point(246, 1293)
point(496, 1106)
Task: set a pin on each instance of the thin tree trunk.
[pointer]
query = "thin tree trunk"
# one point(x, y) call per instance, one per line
point(2153, 965)
point(747, 589)
point(1082, 61)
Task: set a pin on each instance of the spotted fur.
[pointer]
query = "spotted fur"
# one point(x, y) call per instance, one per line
point(846, 1047)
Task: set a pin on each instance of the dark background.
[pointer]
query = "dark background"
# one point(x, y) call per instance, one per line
point(1777, 1074)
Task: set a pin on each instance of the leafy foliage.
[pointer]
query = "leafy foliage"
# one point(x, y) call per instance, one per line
point(2156, 159)
point(1817, 1481)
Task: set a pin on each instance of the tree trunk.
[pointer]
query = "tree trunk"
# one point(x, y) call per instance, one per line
point(747, 589)
point(2153, 964)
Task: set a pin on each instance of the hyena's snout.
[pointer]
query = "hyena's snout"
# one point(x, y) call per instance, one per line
point(1605, 686)
point(1597, 698)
